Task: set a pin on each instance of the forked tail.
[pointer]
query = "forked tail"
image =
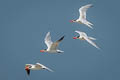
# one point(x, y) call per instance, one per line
point(89, 24)
point(59, 51)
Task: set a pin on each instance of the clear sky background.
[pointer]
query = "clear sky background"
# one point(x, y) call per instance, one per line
point(24, 24)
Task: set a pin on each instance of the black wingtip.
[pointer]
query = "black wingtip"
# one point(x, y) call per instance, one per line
point(28, 72)
point(91, 5)
point(61, 38)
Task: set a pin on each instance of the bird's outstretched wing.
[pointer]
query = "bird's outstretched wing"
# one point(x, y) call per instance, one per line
point(81, 33)
point(48, 40)
point(91, 42)
point(83, 10)
point(55, 45)
point(92, 38)
point(44, 67)
point(49, 69)
point(78, 32)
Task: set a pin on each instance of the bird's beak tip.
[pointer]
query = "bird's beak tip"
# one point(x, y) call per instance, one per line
point(71, 21)
point(42, 51)
point(74, 37)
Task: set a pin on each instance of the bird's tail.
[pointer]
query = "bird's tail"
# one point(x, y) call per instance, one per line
point(49, 69)
point(89, 24)
point(60, 51)
point(97, 47)
point(91, 38)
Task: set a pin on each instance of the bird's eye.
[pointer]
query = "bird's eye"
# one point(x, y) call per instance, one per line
point(30, 66)
point(78, 36)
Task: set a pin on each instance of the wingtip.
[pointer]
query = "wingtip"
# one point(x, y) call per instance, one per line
point(64, 36)
point(98, 48)
point(77, 31)
point(90, 26)
point(48, 32)
point(37, 62)
point(61, 38)
point(28, 72)
point(49, 69)
point(91, 5)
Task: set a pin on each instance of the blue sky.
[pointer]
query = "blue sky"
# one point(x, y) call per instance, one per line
point(24, 24)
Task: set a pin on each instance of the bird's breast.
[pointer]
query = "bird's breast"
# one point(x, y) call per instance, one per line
point(82, 38)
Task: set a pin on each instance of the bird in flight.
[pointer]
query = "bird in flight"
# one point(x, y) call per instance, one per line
point(82, 17)
point(36, 66)
point(52, 46)
point(83, 36)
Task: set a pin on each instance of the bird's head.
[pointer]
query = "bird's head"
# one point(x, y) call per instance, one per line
point(27, 68)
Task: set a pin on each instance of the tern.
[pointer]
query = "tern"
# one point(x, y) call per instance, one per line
point(36, 66)
point(82, 17)
point(83, 36)
point(52, 46)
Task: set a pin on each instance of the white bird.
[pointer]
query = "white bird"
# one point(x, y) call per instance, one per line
point(36, 66)
point(52, 46)
point(83, 36)
point(82, 17)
